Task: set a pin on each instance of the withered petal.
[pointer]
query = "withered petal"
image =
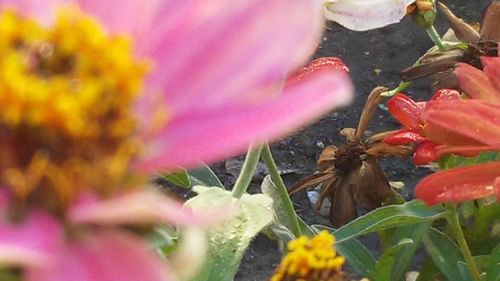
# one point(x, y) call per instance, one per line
point(463, 31)
point(369, 109)
point(326, 158)
point(327, 188)
point(311, 181)
point(384, 149)
point(444, 80)
point(371, 186)
point(490, 23)
point(433, 63)
point(343, 208)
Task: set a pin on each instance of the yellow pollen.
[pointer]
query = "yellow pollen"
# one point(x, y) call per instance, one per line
point(70, 77)
point(312, 259)
point(66, 122)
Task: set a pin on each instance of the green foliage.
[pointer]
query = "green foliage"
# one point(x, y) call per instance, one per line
point(444, 253)
point(187, 179)
point(452, 161)
point(389, 217)
point(227, 242)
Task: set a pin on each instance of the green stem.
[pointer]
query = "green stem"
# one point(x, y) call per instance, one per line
point(267, 157)
point(401, 87)
point(434, 35)
point(247, 171)
point(459, 235)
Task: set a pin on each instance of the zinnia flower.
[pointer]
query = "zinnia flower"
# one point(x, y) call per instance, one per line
point(471, 126)
point(311, 259)
point(93, 92)
point(350, 175)
point(361, 15)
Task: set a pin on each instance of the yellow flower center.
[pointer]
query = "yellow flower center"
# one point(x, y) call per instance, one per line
point(312, 259)
point(66, 92)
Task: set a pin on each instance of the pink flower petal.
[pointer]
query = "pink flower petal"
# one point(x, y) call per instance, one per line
point(141, 207)
point(43, 11)
point(363, 15)
point(460, 184)
point(128, 17)
point(475, 83)
point(30, 242)
point(103, 256)
point(219, 53)
point(214, 134)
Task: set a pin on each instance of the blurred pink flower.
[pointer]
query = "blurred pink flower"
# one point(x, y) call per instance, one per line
point(216, 83)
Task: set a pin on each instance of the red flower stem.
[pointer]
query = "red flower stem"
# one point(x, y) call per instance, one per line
point(452, 218)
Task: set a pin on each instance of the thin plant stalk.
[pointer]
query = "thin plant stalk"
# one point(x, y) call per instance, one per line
point(247, 171)
point(462, 243)
point(434, 35)
point(267, 157)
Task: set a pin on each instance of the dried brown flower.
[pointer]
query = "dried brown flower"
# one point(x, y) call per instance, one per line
point(350, 174)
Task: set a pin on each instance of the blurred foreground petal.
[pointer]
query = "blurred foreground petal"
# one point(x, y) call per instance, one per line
point(214, 134)
point(103, 256)
point(141, 207)
point(29, 243)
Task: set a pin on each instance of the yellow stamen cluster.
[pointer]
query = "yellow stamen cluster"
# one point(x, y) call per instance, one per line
point(66, 96)
point(69, 77)
point(312, 259)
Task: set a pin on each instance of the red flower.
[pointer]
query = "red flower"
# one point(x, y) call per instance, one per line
point(461, 184)
point(465, 127)
point(409, 113)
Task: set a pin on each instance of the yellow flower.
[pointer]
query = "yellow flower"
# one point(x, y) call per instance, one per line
point(313, 259)
point(67, 92)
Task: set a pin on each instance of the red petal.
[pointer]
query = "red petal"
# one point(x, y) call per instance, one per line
point(492, 70)
point(404, 136)
point(425, 152)
point(460, 184)
point(405, 110)
point(331, 63)
point(475, 83)
point(463, 123)
point(446, 94)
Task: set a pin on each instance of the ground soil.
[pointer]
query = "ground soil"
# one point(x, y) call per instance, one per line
point(374, 58)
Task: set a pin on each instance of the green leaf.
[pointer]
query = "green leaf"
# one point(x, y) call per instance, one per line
point(464, 271)
point(405, 256)
point(388, 217)
point(493, 270)
point(452, 161)
point(443, 253)
point(388, 260)
point(228, 241)
point(428, 271)
point(179, 178)
point(164, 239)
point(280, 215)
point(356, 254)
point(204, 176)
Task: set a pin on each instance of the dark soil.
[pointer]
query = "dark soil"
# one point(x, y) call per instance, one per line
point(374, 58)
